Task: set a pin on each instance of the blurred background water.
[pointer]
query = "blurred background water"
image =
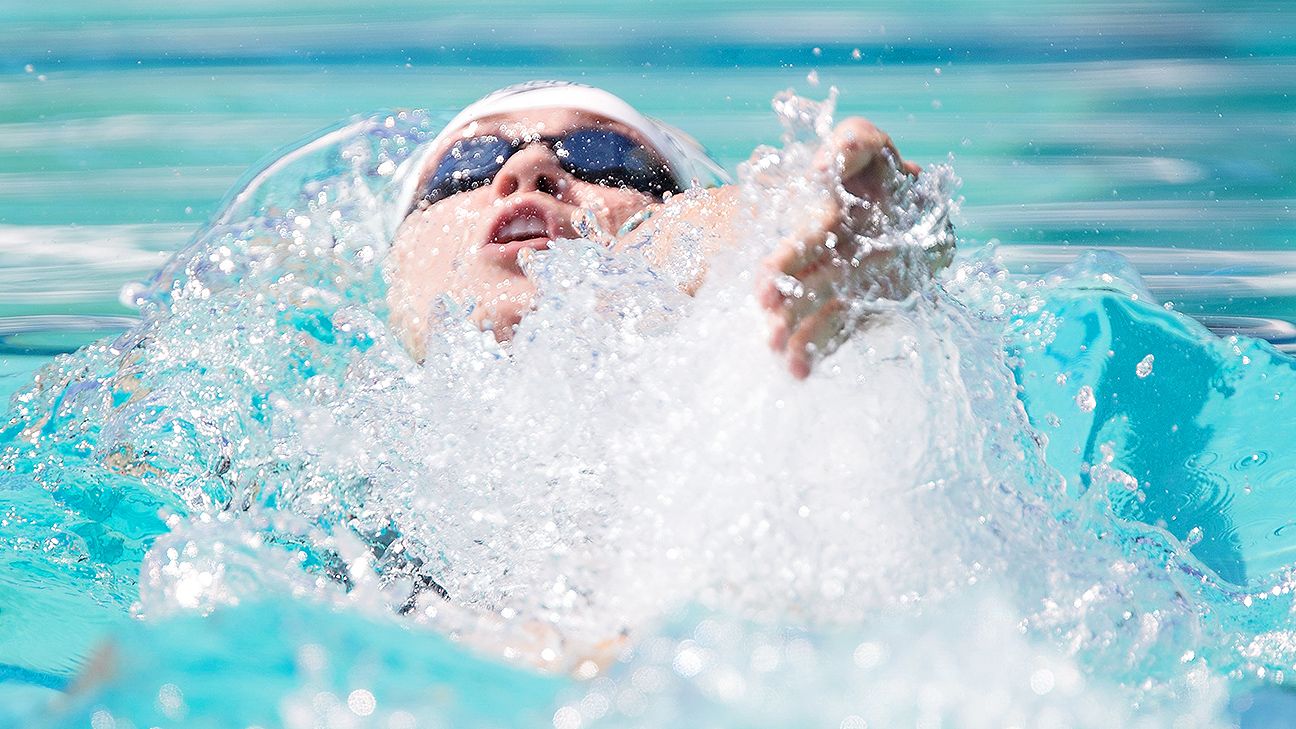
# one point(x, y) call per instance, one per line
point(1163, 129)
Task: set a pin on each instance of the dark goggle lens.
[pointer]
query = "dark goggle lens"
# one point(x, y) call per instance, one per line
point(614, 160)
point(468, 164)
point(597, 156)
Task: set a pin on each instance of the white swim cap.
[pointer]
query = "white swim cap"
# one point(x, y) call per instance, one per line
point(689, 163)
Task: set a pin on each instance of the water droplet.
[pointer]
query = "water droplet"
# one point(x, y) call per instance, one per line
point(813, 78)
point(566, 718)
point(1251, 460)
point(1042, 681)
point(170, 700)
point(1085, 399)
point(1144, 367)
point(869, 655)
point(361, 702)
point(1193, 537)
point(689, 660)
point(1203, 459)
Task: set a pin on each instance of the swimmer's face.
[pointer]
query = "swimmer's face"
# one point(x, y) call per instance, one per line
point(467, 244)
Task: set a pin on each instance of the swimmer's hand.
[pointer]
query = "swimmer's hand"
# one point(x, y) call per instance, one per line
point(808, 280)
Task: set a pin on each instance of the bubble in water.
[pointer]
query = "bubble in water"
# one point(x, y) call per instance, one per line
point(1042, 681)
point(171, 702)
point(567, 718)
point(361, 702)
point(1085, 400)
point(1144, 367)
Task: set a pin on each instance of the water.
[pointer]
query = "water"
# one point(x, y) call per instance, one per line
point(1024, 497)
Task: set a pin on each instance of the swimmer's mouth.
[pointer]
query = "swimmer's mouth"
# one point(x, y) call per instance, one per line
point(521, 229)
point(524, 226)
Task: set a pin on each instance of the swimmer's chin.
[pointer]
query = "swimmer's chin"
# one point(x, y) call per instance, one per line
point(503, 332)
point(514, 253)
point(503, 324)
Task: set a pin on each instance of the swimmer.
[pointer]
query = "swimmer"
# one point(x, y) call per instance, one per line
point(535, 162)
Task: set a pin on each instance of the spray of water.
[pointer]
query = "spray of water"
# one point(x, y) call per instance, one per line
point(633, 490)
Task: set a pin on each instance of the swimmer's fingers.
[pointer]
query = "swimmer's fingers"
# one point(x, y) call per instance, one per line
point(790, 301)
point(817, 336)
point(821, 237)
point(814, 271)
point(799, 279)
point(867, 156)
point(792, 288)
point(853, 144)
point(786, 317)
point(803, 277)
point(787, 270)
point(807, 315)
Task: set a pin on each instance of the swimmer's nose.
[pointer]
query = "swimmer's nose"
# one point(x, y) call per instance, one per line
point(533, 168)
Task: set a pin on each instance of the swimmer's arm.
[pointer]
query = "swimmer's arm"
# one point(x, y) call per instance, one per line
point(813, 276)
point(697, 225)
point(809, 320)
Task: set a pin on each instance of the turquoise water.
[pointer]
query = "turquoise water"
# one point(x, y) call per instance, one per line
point(1034, 497)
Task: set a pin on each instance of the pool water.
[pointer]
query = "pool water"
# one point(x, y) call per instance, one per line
point(1041, 493)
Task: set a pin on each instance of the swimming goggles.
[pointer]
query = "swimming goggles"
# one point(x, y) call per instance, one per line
point(598, 156)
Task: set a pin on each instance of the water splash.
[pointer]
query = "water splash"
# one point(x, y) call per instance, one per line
point(634, 491)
